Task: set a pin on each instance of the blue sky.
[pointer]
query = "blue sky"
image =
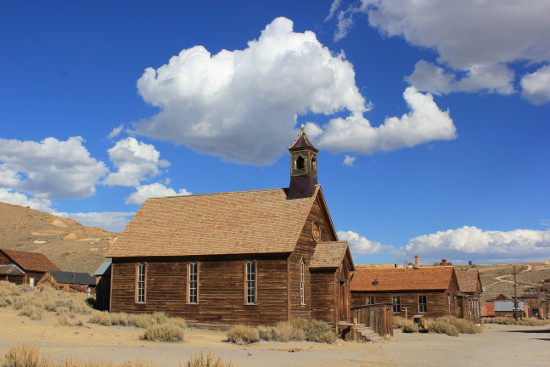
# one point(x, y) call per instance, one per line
point(432, 117)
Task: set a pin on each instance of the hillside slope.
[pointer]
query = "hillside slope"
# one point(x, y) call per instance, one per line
point(498, 279)
point(69, 244)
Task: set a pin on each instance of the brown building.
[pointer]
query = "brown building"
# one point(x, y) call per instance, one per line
point(22, 267)
point(252, 257)
point(469, 284)
point(429, 291)
point(69, 281)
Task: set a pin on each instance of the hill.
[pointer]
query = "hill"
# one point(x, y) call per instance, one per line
point(69, 244)
point(498, 279)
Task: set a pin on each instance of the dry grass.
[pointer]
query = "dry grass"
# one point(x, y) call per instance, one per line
point(443, 327)
point(242, 334)
point(531, 321)
point(286, 331)
point(208, 360)
point(143, 320)
point(463, 326)
point(165, 332)
point(24, 356)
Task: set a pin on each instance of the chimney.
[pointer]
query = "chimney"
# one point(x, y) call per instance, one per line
point(416, 261)
point(443, 262)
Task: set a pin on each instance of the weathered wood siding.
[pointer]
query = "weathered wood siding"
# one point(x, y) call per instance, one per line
point(437, 302)
point(324, 304)
point(221, 289)
point(305, 249)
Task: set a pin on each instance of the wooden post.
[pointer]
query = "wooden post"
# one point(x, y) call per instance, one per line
point(515, 296)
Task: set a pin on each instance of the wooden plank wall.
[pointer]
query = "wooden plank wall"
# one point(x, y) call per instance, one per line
point(221, 290)
point(437, 302)
point(323, 287)
point(305, 249)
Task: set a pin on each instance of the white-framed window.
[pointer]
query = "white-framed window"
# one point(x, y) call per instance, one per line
point(31, 281)
point(396, 302)
point(370, 300)
point(422, 304)
point(141, 270)
point(193, 282)
point(302, 282)
point(250, 282)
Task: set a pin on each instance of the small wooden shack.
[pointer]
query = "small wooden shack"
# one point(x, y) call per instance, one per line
point(23, 267)
point(248, 257)
point(69, 281)
point(469, 284)
point(429, 291)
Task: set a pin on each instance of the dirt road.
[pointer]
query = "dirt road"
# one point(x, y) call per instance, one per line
point(498, 345)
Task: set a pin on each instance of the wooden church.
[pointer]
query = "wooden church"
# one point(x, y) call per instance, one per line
point(247, 257)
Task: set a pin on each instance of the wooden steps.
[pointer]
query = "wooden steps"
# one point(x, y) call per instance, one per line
point(358, 332)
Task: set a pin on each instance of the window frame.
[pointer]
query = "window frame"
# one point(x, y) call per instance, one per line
point(250, 282)
point(370, 300)
point(422, 306)
point(141, 283)
point(396, 304)
point(193, 282)
point(302, 283)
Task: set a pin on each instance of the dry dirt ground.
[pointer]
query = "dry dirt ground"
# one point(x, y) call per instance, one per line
point(498, 345)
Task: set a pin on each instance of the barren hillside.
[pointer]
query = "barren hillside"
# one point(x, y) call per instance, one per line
point(69, 244)
point(498, 279)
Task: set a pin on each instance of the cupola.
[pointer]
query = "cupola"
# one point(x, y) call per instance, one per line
point(303, 167)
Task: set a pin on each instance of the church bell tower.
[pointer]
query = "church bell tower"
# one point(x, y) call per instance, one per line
point(303, 167)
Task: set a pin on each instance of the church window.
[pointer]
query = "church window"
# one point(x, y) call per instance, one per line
point(300, 163)
point(141, 269)
point(193, 282)
point(250, 282)
point(302, 283)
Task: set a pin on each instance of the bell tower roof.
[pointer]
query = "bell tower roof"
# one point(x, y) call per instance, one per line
point(302, 142)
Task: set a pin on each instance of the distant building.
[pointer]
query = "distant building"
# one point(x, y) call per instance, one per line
point(469, 283)
point(429, 291)
point(23, 267)
point(69, 281)
point(505, 308)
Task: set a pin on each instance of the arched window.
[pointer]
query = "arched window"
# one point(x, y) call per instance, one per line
point(250, 282)
point(300, 163)
point(192, 282)
point(302, 282)
point(314, 164)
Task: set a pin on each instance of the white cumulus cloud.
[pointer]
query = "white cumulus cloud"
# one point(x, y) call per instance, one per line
point(466, 243)
point(18, 198)
point(242, 105)
point(145, 192)
point(476, 38)
point(425, 122)
point(360, 245)
point(50, 169)
point(536, 86)
point(111, 221)
point(135, 161)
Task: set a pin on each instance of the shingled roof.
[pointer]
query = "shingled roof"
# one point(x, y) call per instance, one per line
point(468, 281)
point(69, 277)
point(330, 254)
point(30, 261)
point(429, 278)
point(242, 222)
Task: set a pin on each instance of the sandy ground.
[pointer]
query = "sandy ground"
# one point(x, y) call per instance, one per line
point(497, 346)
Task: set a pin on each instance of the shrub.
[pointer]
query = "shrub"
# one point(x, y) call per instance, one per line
point(266, 333)
point(285, 331)
point(531, 321)
point(443, 327)
point(164, 333)
point(463, 326)
point(399, 322)
point(208, 360)
point(242, 334)
point(411, 328)
point(319, 331)
point(32, 312)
